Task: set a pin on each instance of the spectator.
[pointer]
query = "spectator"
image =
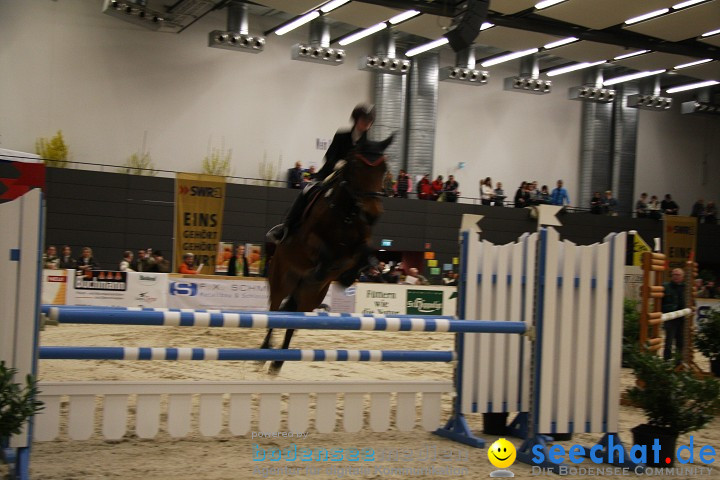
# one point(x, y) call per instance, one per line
point(711, 213)
point(486, 191)
point(403, 184)
point(392, 275)
point(452, 279)
point(50, 259)
point(373, 275)
point(499, 195)
point(414, 278)
point(86, 261)
point(159, 263)
point(610, 204)
point(559, 195)
point(66, 261)
point(295, 176)
point(388, 184)
point(698, 210)
point(596, 204)
point(126, 261)
point(533, 192)
point(239, 264)
point(521, 196)
point(673, 300)
point(641, 206)
point(544, 198)
point(309, 175)
point(653, 208)
point(668, 206)
point(451, 189)
point(188, 265)
point(424, 189)
point(437, 187)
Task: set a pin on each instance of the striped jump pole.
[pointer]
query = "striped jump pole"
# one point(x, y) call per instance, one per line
point(270, 320)
point(47, 309)
point(237, 354)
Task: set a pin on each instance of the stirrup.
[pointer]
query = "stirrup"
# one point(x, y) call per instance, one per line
point(277, 234)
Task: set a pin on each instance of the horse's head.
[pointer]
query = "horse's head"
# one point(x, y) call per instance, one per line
point(366, 164)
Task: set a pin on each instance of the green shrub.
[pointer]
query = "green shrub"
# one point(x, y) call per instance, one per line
point(54, 152)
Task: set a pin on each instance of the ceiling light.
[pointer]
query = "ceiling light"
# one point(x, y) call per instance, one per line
point(297, 22)
point(647, 16)
point(362, 34)
point(691, 86)
point(401, 17)
point(558, 43)
point(692, 64)
point(508, 57)
point(486, 25)
point(428, 46)
point(632, 76)
point(688, 3)
point(332, 5)
point(572, 68)
point(710, 34)
point(628, 55)
point(547, 3)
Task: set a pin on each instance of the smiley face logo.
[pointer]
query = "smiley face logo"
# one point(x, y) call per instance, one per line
point(502, 453)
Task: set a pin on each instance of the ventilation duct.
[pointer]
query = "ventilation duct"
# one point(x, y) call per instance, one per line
point(174, 19)
point(236, 36)
point(529, 79)
point(385, 62)
point(649, 97)
point(464, 72)
point(134, 12)
point(593, 91)
point(318, 49)
point(702, 105)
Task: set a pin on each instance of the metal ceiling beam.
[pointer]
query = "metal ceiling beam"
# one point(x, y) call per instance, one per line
point(443, 8)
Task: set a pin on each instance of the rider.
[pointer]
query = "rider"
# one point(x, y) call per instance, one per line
point(363, 117)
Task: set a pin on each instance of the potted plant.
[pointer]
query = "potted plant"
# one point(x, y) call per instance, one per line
point(631, 330)
point(675, 402)
point(17, 404)
point(707, 339)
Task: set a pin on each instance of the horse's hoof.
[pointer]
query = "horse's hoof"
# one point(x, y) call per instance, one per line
point(275, 368)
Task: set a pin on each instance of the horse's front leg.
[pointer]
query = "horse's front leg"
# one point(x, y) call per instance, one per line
point(276, 365)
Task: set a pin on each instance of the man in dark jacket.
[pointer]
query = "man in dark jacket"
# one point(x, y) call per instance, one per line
point(343, 141)
point(674, 300)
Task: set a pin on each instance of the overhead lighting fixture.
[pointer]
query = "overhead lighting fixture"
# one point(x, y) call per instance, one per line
point(332, 5)
point(383, 64)
point(401, 17)
point(692, 86)
point(711, 33)
point(508, 57)
point(547, 3)
point(465, 76)
point(486, 25)
point(628, 55)
point(134, 13)
point(649, 102)
point(559, 43)
point(362, 34)
point(236, 41)
point(298, 22)
point(632, 76)
point(528, 85)
point(572, 68)
point(647, 16)
point(692, 64)
point(592, 94)
point(428, 46)
point(688, 3)
point(317, 54)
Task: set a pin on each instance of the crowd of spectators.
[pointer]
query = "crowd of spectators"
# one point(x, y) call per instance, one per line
point(154, 261)
point(655, 209)
point(398, 274)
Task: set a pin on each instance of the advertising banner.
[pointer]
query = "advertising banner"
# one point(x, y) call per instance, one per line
point(199, 204)
point(680, 239)
point(54, 287)
point(207, 292)
point(224, 253)
point(117, 289)
point(388, 299)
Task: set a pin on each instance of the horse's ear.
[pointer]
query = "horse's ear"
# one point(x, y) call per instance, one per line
point(384, 143)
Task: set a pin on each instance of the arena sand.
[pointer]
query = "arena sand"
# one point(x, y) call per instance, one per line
point(229, 457)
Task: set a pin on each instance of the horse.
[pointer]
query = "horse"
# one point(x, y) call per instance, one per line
point(333, 239)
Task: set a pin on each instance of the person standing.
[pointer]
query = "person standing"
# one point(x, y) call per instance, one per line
point(188, 265)
point(239, 263)
point(451, 189)
point(437, 187)
point(66, 260)
point(641, 206)
point(50, 259)
point(668, 206)
point(86, 262)
point(388, 185)
point(559, 195)
point(499, 195)
point(486, 192)
point(126, 262)
point(403, 184)
point(673, 300)
point(295, 176)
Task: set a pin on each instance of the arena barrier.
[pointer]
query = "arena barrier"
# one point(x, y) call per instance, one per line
point(562, 376)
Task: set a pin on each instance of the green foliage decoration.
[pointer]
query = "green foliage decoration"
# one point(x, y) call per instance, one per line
point(54, 152)
point(217, 162)
point(269, 171)
point(139, 164)
point(707, 336)
point(17, 402)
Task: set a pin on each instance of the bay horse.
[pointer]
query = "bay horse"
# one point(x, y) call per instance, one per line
point(333, 238)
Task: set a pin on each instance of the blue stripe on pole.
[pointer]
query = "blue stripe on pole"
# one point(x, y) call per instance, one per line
point(171, 354)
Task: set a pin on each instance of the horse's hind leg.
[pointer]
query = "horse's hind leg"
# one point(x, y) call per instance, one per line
point(277, 364)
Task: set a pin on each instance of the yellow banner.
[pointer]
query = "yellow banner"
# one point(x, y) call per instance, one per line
point(680, 239)
point(639, 247)
point(199, 203)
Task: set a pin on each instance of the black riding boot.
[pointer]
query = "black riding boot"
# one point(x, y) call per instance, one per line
point(283, 230)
